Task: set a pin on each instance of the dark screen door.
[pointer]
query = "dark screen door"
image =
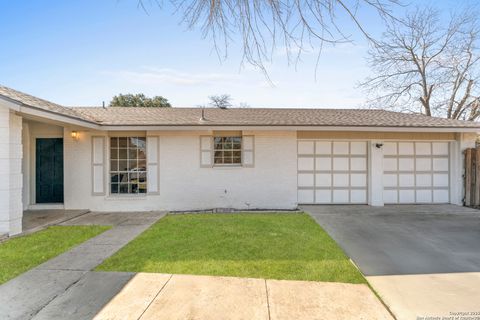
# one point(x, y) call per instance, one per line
point(49, 170)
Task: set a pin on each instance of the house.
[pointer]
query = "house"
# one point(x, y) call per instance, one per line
point(136, 159)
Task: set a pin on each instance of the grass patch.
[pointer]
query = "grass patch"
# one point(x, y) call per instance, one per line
point(272, 245)
point(18, 255)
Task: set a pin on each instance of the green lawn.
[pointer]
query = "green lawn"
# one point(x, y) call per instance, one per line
point(18, 255)
point(267, 245)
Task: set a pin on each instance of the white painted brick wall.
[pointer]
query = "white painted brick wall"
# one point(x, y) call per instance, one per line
point(10, 172)
point(184, 185)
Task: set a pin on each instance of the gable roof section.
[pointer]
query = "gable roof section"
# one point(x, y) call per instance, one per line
point(40, 104)
point(118, 116)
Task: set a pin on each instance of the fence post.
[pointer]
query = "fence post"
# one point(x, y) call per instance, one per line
point(468, 177)
point(476, 184)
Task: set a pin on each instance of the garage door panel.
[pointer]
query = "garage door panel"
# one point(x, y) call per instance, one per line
point(440, 180)
point(323, 163)
point(440, 164)
point(406, 195)
point(423, 148)
point(390, 196)
point(390, 164)
point(440, 148)
point(390, 180)
point(358, 180)
point(358, 196)
point(305, 147)
point(424, 196)
point(341, 196)
point(358, 164)
point(340, 164)
point(323, 196)
point(306, 164)
point(340, 180)
point(406, 164)
point(305, 196)
point(323, 147)
point(333, 172)
point(440, 196)
point(423, 164)
point(406, 180)
point(390, 148)
point(340, 148)
point(323, 179)
point(422, 175)
point(305, 180)
point(405, 148)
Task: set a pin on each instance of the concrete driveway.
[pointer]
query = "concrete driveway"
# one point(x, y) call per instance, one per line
point(423, 260)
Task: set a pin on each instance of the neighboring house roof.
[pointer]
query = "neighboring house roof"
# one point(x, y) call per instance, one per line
point(122, 116)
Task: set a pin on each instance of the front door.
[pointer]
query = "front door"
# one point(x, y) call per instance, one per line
point(49, 170)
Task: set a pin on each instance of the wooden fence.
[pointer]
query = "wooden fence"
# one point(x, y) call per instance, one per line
point(472, 177)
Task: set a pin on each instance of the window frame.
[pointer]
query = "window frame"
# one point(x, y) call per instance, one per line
point(240, 150)
point(128, 172)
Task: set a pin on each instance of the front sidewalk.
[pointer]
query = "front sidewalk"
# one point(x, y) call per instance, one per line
point(25, 296)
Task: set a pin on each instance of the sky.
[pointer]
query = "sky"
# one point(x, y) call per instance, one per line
point(81, 53)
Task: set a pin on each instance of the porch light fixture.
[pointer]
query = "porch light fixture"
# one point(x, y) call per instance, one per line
point(74, 135)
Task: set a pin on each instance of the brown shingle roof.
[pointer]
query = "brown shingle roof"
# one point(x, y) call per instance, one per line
point(266, 117)
point(31, 101)
point(236, 117)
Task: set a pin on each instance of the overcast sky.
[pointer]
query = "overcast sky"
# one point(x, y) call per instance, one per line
point(84, 52)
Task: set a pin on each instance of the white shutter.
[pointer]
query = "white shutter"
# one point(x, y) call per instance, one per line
point(206, 151)
point(248, 151)
point(152, 165)
point(98, 165)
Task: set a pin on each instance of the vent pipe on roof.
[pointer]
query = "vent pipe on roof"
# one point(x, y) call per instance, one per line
point(202, 118)
point(103, 104)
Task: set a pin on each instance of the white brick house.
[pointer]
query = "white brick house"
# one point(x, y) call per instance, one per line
point(136, 159)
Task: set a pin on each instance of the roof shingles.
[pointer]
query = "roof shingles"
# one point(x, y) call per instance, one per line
point(118, 116)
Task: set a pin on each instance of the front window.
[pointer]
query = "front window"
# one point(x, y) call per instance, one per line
point(227, 150)
point(128, 166)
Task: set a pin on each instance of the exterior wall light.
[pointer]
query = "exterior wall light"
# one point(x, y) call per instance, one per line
point(75, 135)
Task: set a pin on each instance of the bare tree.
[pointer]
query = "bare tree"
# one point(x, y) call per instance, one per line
point(222, 101)
point(422, 65)
point(264, 25)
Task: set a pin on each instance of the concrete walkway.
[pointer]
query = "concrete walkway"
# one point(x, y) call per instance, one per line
point(26, 296)
point(149, 296)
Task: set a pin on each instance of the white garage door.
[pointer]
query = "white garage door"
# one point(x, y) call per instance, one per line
point(416, 172)
point(332, 171)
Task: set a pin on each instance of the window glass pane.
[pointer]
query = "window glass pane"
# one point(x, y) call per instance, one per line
point(114, 165)
point(142, 154)
point(237, 160)
point(227, 150)
point(132, 165)
point(132, 153)
point(122, 142)
point(122, 154)
point(113, 142)
point(114, 188)
point(114, 153)
point(114, 178)
point(122, 165)
point(123, 188)
point(123, 177)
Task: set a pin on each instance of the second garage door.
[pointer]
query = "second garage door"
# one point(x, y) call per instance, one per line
point(416, 172)
point(332, 171)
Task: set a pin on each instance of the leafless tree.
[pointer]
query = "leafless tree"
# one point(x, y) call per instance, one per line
point(222, 101)
point(426, 66)
point(266, 25)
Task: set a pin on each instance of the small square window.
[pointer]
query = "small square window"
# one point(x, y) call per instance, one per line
point(227, 150)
